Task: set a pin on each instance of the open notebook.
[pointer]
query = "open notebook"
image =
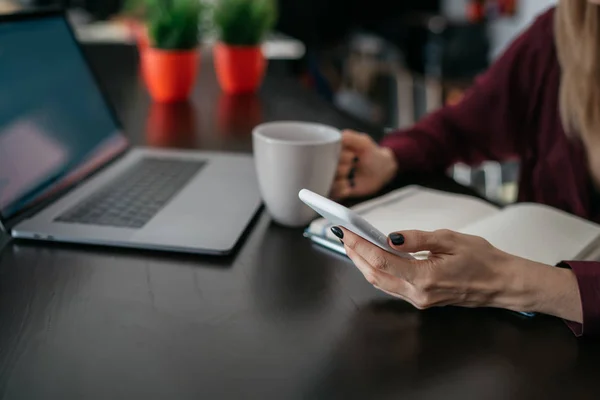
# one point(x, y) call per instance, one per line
point(532, 231)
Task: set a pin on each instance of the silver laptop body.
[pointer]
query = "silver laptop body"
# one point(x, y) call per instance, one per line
point(107, 194)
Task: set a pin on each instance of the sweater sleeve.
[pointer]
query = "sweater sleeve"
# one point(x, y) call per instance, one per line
point(588, 280)
point(488, 123)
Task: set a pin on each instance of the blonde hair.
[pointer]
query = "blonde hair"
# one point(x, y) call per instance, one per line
point(577, 37)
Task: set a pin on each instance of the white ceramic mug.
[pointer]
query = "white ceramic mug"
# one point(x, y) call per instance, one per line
point(291, 156)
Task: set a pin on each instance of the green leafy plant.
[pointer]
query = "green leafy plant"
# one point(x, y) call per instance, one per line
point(244, 22)
point(172, 24)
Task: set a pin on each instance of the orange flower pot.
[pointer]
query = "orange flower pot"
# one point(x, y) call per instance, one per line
point(170, 75)
point(240, 69)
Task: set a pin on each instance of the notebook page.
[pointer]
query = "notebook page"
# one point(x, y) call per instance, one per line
point(416, 207)
point(537, 232)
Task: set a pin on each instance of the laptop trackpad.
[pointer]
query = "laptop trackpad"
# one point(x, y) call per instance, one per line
point(211, 212)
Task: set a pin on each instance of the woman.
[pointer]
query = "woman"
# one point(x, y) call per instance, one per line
point(539, 102)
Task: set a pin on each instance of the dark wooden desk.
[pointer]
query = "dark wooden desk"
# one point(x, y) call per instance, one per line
point(280, 319)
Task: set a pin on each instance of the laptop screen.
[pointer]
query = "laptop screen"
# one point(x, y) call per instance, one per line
point(54, 122)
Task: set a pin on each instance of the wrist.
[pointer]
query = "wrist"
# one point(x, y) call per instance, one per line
point(534, 287)
point(390, 164)
point(558, 295)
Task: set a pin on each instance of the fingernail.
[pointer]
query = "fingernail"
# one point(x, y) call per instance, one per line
point(337, 232)
point(352, 183)
point(397, 239)
point(351, 174)
point(355, 160)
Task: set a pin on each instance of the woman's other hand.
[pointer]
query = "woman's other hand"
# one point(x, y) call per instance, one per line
point(364, 167)
point(464, 270)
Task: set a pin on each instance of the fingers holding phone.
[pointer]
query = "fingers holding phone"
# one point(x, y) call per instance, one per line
point(364, 167)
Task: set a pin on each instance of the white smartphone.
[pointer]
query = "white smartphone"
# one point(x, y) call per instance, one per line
point(343, 216)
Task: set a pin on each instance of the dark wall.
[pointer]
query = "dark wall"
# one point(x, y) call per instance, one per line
point(318, 22)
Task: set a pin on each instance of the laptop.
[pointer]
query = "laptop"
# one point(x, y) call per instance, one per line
point(67, 173)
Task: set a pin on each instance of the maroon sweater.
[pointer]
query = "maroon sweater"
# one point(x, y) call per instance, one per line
point(512, 112)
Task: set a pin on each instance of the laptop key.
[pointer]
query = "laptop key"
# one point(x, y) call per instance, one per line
point(135, 197)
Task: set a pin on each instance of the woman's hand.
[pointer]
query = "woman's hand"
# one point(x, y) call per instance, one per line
point(465, 271)
point(364, 167)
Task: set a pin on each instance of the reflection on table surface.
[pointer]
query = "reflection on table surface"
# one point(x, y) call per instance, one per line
point(172, 125)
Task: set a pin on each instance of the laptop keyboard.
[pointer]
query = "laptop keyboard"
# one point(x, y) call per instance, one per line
point(133, 198)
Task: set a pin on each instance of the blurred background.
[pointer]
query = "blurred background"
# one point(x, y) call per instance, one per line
point(385, 62)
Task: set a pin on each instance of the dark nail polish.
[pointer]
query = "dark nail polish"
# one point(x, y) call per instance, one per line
point(337, 232)
point(397, 239)
point(355, 160)
point(351, 174)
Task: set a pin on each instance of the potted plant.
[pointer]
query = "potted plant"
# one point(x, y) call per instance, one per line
point(170, 61)
point(241, 26)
